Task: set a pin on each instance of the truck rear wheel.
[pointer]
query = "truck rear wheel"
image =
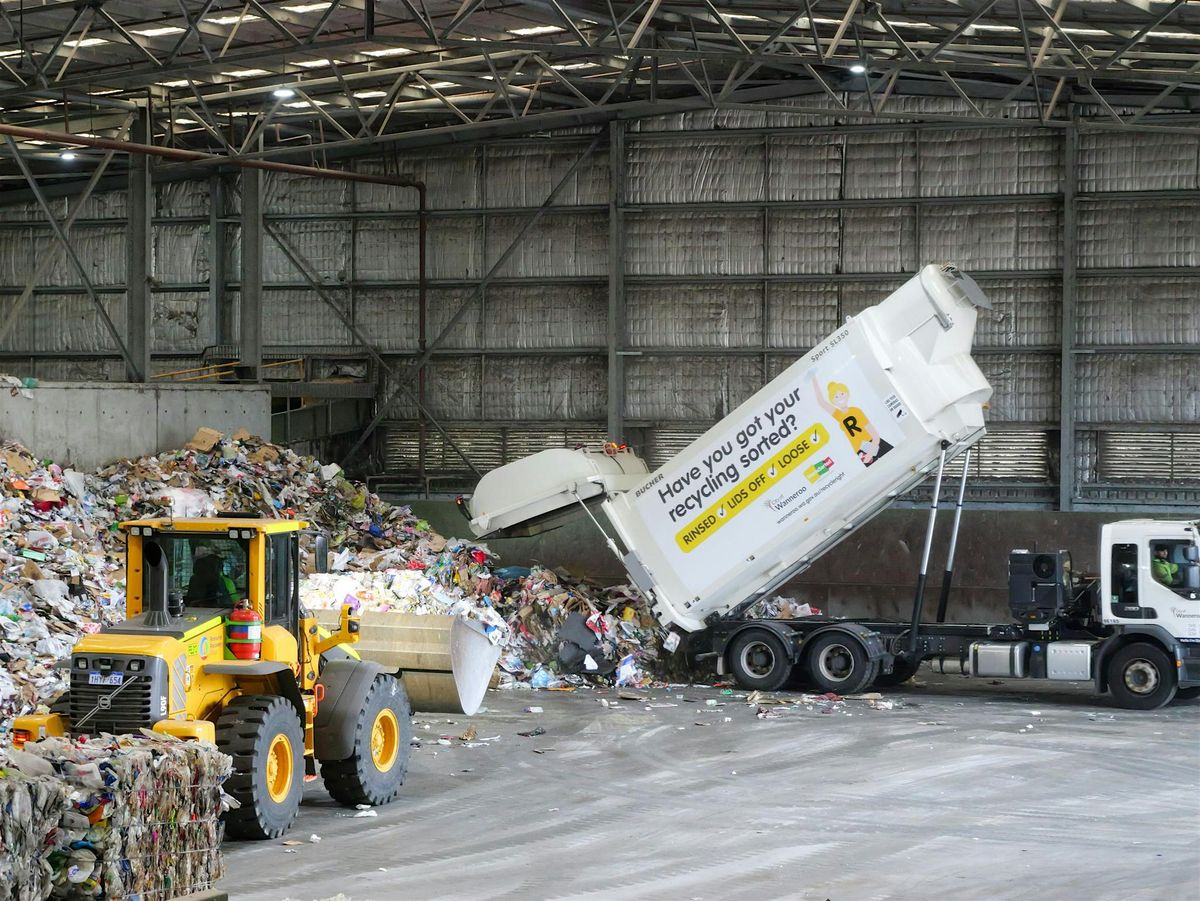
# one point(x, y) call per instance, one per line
point(759, 660)
point(375, 770)
point(838, 662)
point(1141, 676)
point(263, 735)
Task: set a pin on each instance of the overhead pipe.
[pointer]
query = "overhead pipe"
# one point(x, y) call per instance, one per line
point(179, 154)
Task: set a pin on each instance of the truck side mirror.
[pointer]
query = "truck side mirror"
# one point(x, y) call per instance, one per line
point(321, 549)
point(1191, 554)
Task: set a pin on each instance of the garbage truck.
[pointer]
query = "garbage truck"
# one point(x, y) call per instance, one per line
point(874, 410)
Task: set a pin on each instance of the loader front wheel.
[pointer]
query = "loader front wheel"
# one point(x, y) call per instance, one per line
point(263, 735)
point(375, 770)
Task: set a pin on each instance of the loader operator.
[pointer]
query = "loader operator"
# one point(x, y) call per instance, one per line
point(1162, 568)
point(209, 586)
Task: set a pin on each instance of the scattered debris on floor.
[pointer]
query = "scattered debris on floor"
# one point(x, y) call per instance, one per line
point(111, 818)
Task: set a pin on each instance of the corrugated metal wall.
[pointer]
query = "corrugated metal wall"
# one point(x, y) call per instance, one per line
point(748, 236)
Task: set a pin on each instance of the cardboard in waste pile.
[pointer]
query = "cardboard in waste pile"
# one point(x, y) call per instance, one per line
point(204, 440)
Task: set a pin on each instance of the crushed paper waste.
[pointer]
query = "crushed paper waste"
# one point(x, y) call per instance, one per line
point(129, 817)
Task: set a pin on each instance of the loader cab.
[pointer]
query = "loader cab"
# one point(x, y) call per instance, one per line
point(213, 564)
point(1151, 571)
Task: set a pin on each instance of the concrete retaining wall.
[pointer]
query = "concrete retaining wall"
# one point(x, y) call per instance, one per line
point(89, 424)
point(872, 573)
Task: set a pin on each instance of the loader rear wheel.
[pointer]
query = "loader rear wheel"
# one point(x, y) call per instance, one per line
point(375, 771)
point(263, 735)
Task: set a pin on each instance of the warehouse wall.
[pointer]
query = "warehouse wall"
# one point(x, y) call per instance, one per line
point(744, 237)
point(88, 425)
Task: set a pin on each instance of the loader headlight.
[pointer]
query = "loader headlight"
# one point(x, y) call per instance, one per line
point(81, 663)
point(136, 666)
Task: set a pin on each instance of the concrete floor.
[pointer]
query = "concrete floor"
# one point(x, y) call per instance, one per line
point(942, 795)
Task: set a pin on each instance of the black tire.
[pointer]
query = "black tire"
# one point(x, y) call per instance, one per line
point(249, 730)
point(902, 670)
point(1141, 676)
point(837, 662)
point(360, 778)
point(759, 660)
point(1188, 694)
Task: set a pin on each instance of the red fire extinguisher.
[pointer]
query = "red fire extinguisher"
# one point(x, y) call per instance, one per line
point(243, 633)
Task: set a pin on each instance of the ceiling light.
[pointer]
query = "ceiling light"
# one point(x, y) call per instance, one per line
point(8, 53)
point(387, 51)
point(566, 67)
point(858, 69)
point(283, 93)
point(535, 29)
point(69, 155)
point(313, 63)
point(85, 42)
point(36, 141)
point(246, 73)
point(369, 95)
point(233, 20)
point(304, 104)
point(306, 7)
point(185, 122)
point(172, 84)
point(443, 84)
point(158, 32)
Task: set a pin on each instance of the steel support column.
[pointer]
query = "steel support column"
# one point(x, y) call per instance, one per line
point(1066, 400)
point(139, 303)
point(616, 282)
point(250, 337)
point(219, 326)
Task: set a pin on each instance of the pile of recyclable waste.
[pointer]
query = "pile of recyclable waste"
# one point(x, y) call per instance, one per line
point(62, 562)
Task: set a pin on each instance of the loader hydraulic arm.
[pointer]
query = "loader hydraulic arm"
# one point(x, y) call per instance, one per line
point(347, 633)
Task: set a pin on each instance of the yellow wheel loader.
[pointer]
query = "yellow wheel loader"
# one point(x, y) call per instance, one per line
point(215, 646)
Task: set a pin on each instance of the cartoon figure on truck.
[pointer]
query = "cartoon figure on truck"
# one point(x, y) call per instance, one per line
point(867, 443)
point(769, 489)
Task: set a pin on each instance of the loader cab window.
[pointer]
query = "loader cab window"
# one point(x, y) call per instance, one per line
point(205, 570)
point(1124, 574)
point(283, 589)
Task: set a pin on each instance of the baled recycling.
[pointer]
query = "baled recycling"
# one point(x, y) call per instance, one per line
point(129, 817)
point(62, 562)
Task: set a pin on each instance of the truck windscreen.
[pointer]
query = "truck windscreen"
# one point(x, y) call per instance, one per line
point(205, 570)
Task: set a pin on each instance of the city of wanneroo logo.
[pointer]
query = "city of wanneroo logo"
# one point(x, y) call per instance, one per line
point(818, 469)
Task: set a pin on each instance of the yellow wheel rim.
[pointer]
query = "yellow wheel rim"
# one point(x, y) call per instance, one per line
point(279, 768)
point(385, 740)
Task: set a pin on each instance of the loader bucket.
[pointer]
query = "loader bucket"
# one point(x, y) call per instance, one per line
point(447, 661)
